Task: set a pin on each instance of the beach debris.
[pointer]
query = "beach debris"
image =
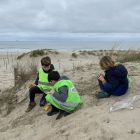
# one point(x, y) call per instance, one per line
point(127, 103)
point(47, 107)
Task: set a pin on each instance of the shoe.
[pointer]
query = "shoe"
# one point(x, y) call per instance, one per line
point(102, 95)
point(53, 111)
point(43, 101)
point(30, 106)
point(62, 114)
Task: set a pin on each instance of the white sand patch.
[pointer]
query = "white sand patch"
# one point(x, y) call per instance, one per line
point(92, 122)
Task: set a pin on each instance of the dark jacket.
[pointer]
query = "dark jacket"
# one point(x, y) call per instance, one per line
point(37, 78)
point(116, 81)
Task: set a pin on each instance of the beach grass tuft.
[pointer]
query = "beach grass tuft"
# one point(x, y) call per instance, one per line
point(22, 75)
point(129, 56)
point(36, 53)
point(21, 56)
point(74, 55)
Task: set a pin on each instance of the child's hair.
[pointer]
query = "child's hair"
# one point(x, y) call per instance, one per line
point(53, 75)
point(46, 61)
point(106, 62)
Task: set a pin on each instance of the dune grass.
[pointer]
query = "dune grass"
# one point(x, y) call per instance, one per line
point(129, 56)
point(36, 53)
point(22, 75)
point(74, 55)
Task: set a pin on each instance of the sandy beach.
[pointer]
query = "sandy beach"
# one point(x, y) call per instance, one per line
point(92, 122)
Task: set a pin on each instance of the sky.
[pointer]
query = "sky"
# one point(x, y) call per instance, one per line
point(42, 19)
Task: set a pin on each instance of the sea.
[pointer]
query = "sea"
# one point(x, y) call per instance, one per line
point(66, 45)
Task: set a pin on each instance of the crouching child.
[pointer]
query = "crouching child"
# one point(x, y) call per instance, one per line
point(64, 98)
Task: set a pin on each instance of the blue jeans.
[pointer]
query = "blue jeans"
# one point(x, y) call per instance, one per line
point(120, 90)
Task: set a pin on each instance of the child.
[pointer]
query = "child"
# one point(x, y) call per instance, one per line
point(115, 81)
point(64, 98)
point(41, 84)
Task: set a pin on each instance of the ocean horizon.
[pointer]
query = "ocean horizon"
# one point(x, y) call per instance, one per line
point(66, 45)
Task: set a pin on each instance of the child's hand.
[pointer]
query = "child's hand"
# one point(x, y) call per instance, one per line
point(101, 78)
point(52, 92)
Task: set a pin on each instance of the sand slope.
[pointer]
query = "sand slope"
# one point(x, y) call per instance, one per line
point(92, 122)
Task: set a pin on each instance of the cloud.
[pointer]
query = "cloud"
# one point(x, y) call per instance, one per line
point(75, 16)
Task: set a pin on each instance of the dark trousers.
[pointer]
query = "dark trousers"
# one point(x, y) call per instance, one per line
point(33, 91)
point(120, 90)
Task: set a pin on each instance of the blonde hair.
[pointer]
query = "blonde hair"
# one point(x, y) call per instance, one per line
point(106, 62)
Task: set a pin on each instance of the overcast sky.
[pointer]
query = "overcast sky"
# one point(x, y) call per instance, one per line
point(36, 19)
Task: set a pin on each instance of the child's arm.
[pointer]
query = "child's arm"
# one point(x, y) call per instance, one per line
point(62, 94)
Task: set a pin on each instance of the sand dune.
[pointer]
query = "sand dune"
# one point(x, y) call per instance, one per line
point(92, 122)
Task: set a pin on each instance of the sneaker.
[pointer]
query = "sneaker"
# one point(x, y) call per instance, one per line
point(43, 102)
point(30, 106)
point(102, 95)
point(53, 111)
point(62, 114)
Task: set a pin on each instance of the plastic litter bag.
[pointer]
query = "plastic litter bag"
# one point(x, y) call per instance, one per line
point(126, 103)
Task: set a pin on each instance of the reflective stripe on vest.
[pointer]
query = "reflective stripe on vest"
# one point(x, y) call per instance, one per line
point(43, 83)
point(66, 104)
point(46, 90)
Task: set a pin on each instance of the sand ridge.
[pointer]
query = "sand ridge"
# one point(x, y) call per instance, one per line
point(92, 122)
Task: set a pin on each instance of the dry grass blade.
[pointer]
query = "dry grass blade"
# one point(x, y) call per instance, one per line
point(129, 56)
